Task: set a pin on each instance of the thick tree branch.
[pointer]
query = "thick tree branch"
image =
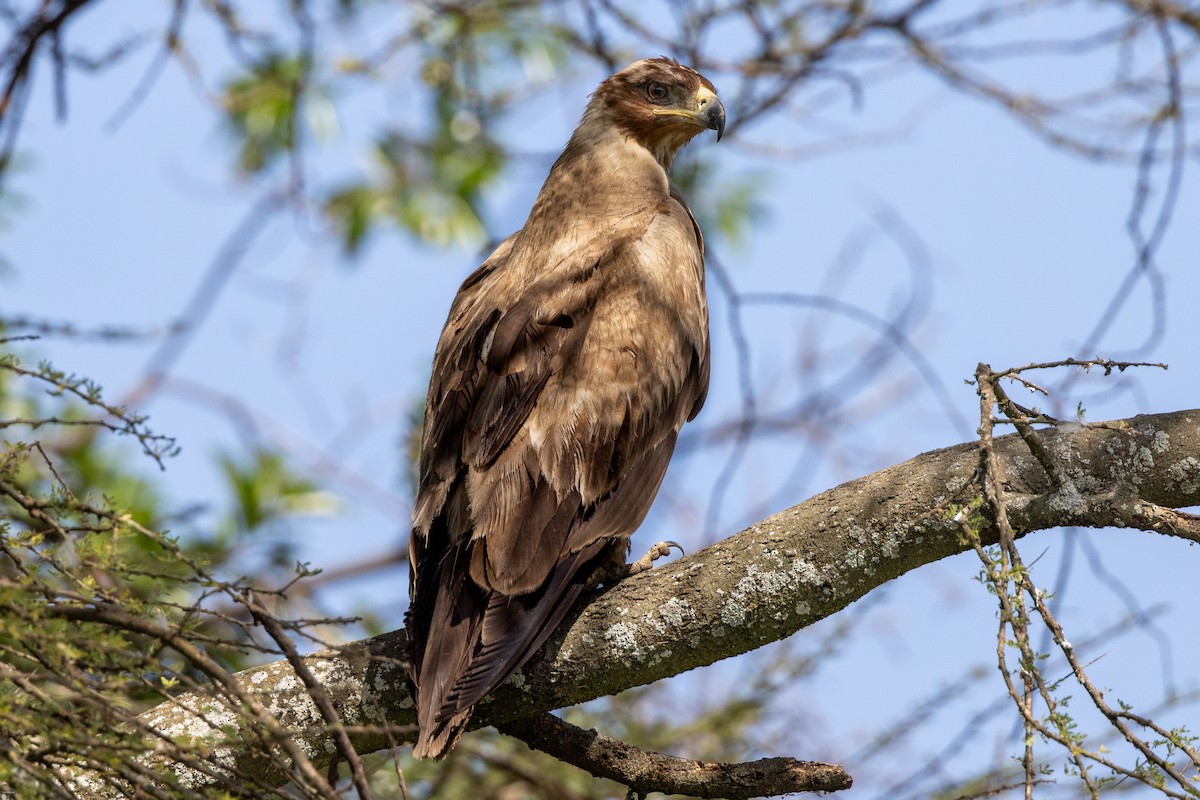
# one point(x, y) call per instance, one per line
point(761, 585)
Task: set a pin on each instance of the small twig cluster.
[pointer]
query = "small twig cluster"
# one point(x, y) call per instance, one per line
point(1165, 756)
point(117, 419)
point(104, 615)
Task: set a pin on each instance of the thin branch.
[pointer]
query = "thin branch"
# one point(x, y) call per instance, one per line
point(644, 771)
point(316, 690)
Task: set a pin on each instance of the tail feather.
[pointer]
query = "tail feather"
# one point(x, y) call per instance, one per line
point(515, 628)
point(466, 641)
point(435, 739)
point(453, 607)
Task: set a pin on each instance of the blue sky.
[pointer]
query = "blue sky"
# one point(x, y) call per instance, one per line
point(1024, 245)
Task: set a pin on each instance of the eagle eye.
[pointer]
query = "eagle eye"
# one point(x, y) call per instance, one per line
point(657, 92)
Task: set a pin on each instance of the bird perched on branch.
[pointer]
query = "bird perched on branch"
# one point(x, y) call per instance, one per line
point(569, 362)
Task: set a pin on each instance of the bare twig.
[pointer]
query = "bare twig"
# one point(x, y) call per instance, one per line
point(316, 690)
point(1013, 585)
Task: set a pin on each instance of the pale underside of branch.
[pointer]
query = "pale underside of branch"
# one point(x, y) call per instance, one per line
point(761, 585)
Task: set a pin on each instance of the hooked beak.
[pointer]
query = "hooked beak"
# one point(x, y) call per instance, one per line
point(710, 110)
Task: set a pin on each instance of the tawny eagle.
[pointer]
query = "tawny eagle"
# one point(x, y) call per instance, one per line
point(569, 362)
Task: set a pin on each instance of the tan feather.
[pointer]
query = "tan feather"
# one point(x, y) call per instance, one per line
point(569, 362)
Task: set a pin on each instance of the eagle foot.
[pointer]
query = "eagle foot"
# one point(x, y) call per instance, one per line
point(653, 554)
point(616, 570)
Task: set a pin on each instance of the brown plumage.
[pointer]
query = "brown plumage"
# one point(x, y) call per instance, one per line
point(569, 362)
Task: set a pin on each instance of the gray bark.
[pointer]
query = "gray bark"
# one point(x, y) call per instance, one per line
point(758, 586)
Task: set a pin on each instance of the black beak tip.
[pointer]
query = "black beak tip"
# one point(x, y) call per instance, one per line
point(716, 118)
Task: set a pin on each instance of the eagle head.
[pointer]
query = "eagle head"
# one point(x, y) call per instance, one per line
point(659, 103)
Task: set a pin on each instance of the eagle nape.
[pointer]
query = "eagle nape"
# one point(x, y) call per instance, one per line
point(570, 360)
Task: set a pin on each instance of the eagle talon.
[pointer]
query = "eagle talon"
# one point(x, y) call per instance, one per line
point(613, 572)
point(653, 554)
